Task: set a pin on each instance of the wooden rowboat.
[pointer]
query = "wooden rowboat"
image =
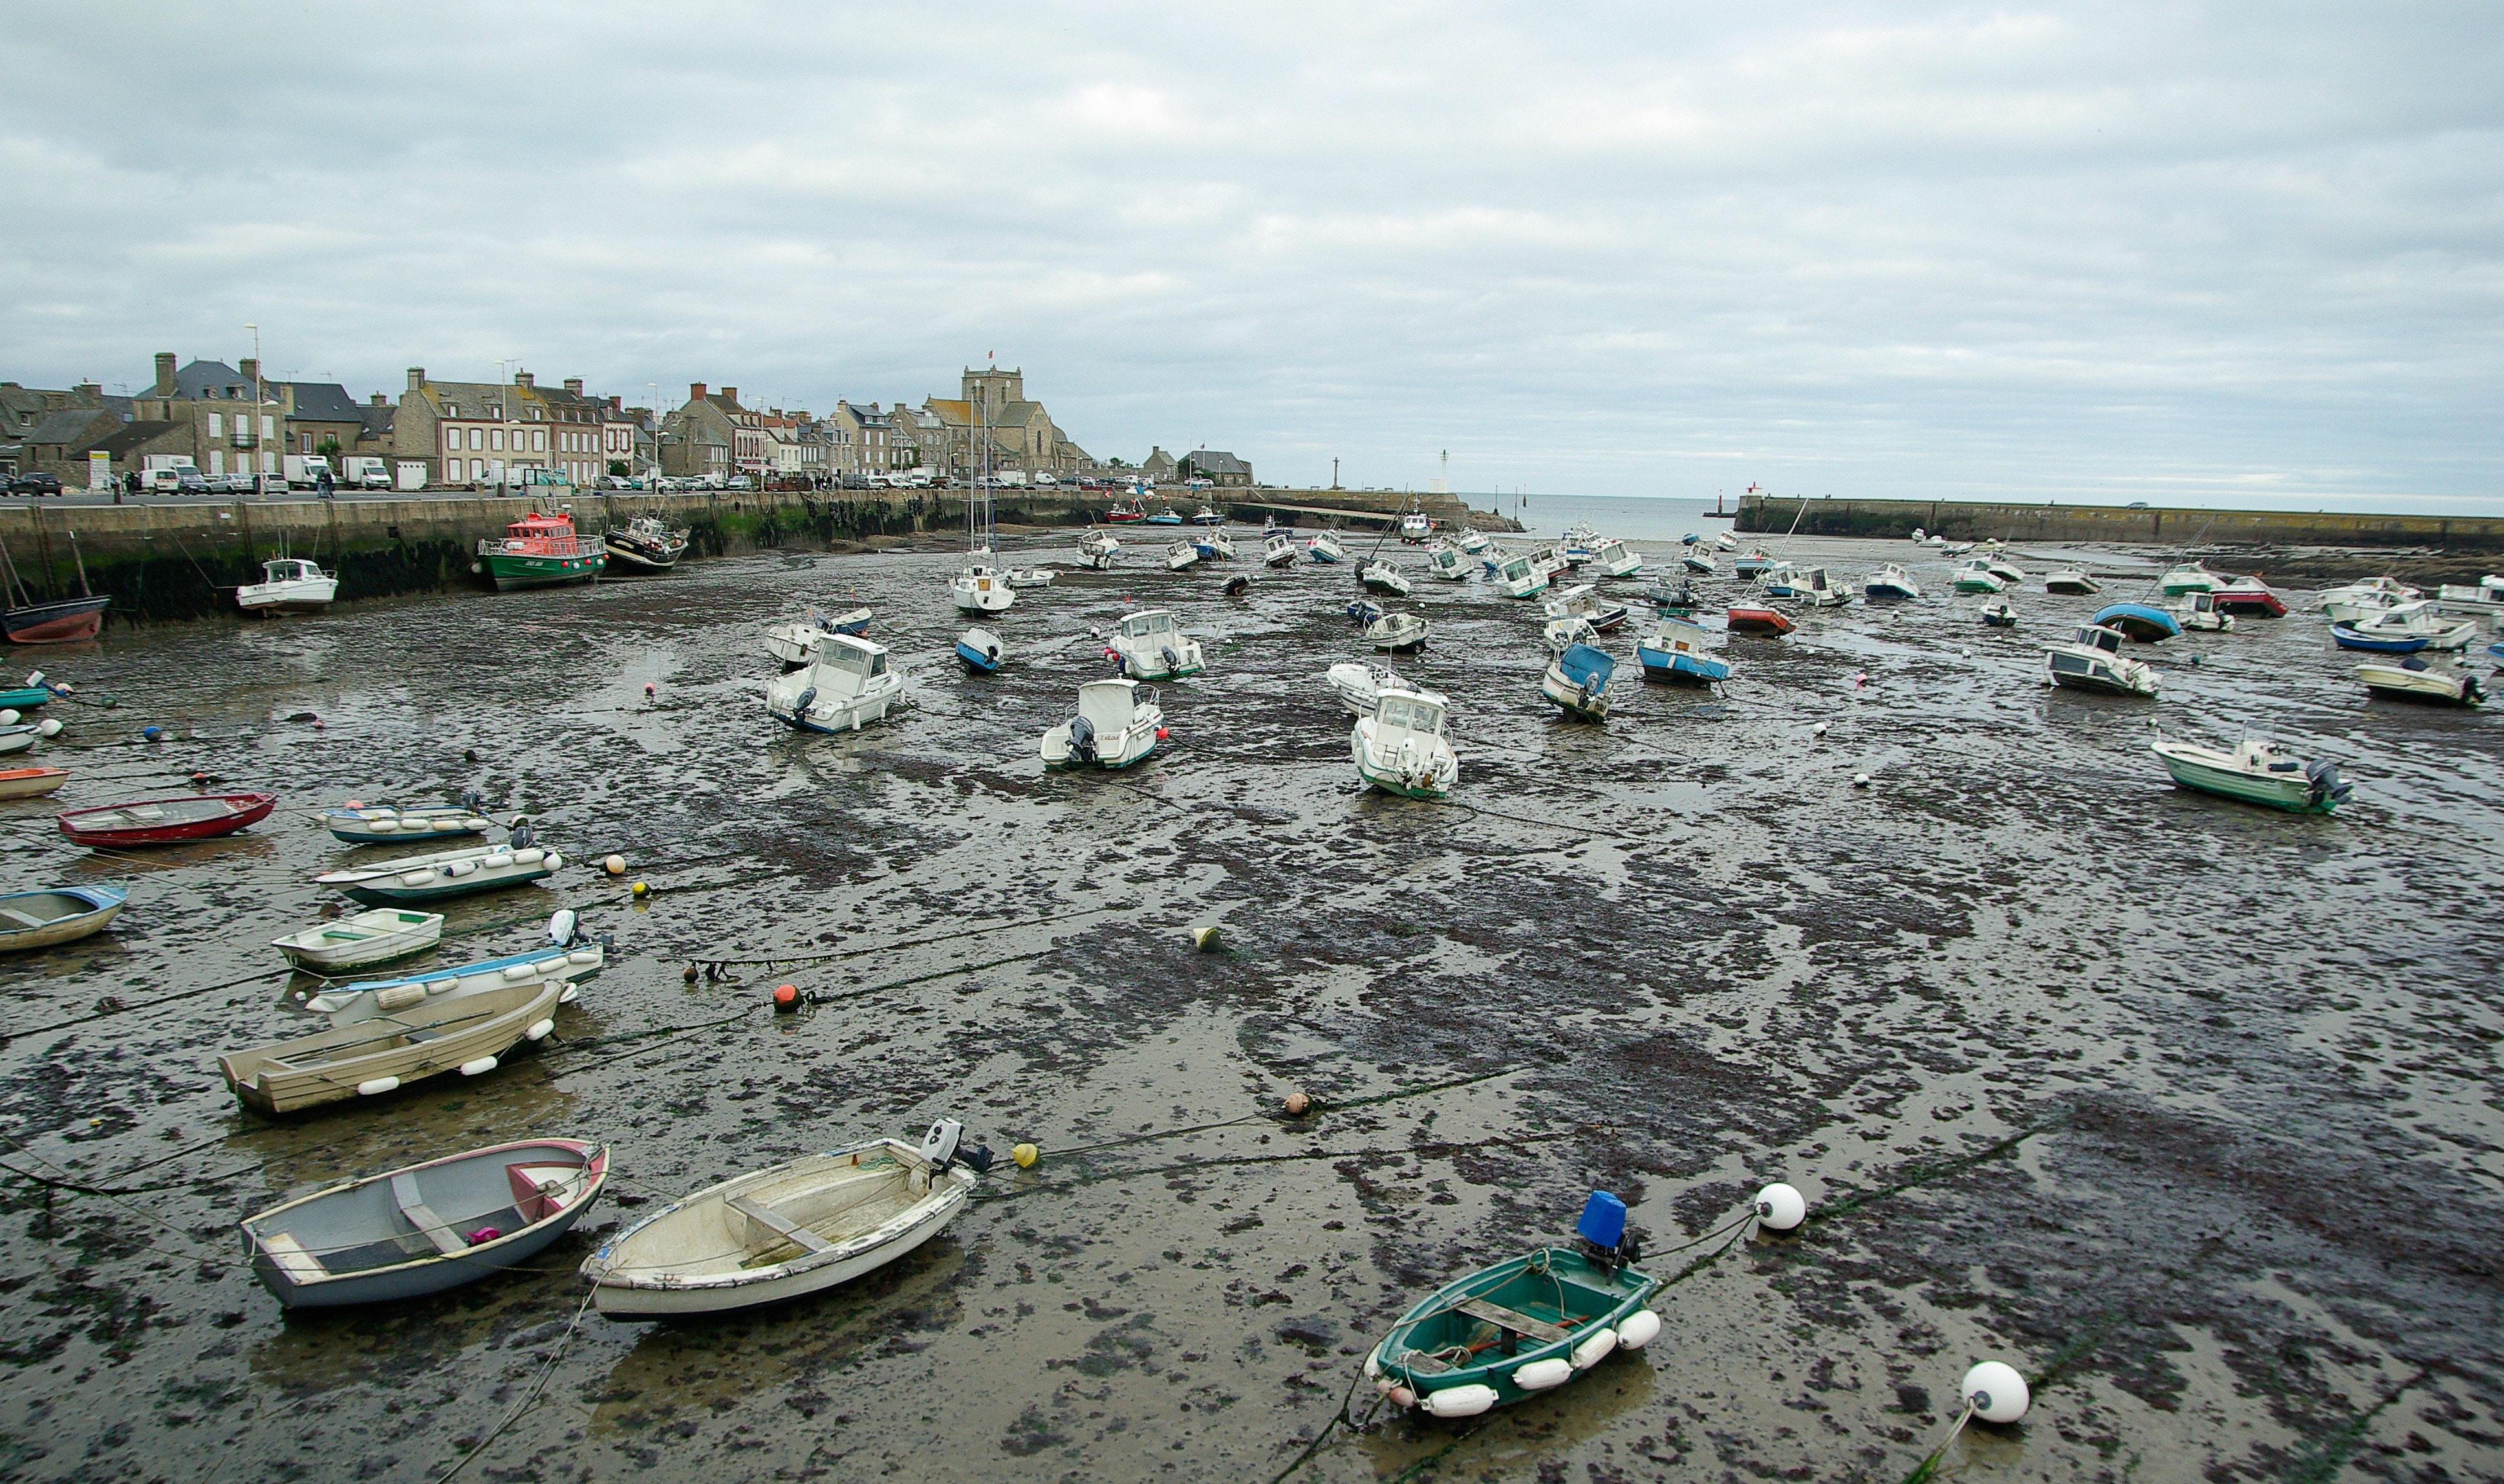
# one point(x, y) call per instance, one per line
point(425, 1228)
point(369, 938)
point(165, 821)
point(31, 782)
point(38, 919)
point(792, 1230)
point(378, 824)
point(371, 1058)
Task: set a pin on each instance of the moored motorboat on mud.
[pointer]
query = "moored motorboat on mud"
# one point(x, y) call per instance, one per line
point(1118, 722)
point(2255, 772)
point(1400, 747)
point(646, 544)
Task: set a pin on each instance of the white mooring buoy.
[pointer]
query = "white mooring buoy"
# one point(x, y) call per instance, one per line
point(1997, 1391)
point(1780, 1208)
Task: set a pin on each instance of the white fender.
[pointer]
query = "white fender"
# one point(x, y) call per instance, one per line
point(377, 1086)
point(1780, 1208)
point(518, 972)
point(416, 877)
point(1591, 1352)
point(460, 867)
point(528, 855)
point(1638, 1329)
point(1459, 1400)
point(1540, 1375)
point(474, 1068)
point(539, 1030)
point(382, 826)
point(399, 996)
point(554, 860)
point(497, 861)
point(583, 956)
point(1374, 1363)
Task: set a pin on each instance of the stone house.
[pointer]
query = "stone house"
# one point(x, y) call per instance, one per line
point(233, 416)
point(1220, 468)
point(469, 433)
point(860, 440)
point(315, 415)
point(58, 444)
point(700, 440)
point(577, 436)
point(1157, 468)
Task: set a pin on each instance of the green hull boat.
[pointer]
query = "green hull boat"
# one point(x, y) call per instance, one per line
point(540, 551)
point(1523, 1326)
point(2255, 773)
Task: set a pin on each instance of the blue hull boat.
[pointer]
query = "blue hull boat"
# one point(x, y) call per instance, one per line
point(1681, 669)
point(38, 919)
point(2495, 652)
point(980, 650)
point(2138, 621)
point(2346, 638)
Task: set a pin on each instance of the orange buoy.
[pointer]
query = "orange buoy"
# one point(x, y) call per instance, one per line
point(1298, 1105)
point(787, 998)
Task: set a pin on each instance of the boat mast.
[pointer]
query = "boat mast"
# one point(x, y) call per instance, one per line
point(16, 591)
point(84, 591)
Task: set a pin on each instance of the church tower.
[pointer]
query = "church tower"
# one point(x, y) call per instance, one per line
point(994, 387)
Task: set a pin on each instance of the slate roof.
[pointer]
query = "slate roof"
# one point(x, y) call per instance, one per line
point(321, 402)
point(70, 424)
point(1211, 461)
point(211, 379)
point(131, 436)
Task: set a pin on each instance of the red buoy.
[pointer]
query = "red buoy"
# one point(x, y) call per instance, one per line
point(787, 998)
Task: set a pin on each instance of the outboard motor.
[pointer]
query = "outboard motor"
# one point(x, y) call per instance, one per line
point(1173, 662)
point(2326, 782)
point(524, 837)
point(1082, 738)
point(473, 802)
point(1606, 1241)
point(800, 708)
point(561, 928)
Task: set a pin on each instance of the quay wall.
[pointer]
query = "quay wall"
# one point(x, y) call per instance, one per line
point(1962, 521)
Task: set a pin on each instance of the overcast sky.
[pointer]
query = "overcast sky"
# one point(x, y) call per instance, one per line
point(2242, 254)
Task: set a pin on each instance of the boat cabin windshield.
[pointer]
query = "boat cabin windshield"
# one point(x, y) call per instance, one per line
point(283, 571)
point(2098, 637)
point(852, 660)
point(1517, 568)
point(1413, 713)
point(1144, 625)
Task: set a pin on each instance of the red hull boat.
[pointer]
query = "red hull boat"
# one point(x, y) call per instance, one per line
point(55, 623)
point(2247, 595)
point(165, 821)
point(1752, 618)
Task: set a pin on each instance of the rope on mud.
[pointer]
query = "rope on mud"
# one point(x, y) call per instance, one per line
point(1318, 1106)
point(530, 1399)
point(114, 1007)
point(1227, 1161)
point(906, 943)
point(98, 1194)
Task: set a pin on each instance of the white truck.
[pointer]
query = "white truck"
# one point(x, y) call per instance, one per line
point(305, 470)
point(367, 472)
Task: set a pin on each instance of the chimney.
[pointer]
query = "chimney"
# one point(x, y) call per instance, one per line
point(695, 392)
point(574, 384)
point(164, 373)
point(523, 379)
point(416, 377)
point(250, 369)
point(88, 393)
point(377, 400)
point(730, 393)
point(617, 404)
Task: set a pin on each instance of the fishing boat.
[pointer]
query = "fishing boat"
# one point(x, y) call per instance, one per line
point(164, 821)
point(31, 782)
point(2488, 597)
point(979, 650)
point(1759, 618)
point(1449, 562)
point(567, 959)
point(426, 1228)
point(2070, 582)
point(1398, 633)
point(540, 550)
point(646, 544)
point(1473, 541)
point(38, 919)
point(2138, 621)
point(374, 937)
point(2417, 620)
point(58, 621)
point(1671, 650)
point(1521, 577)
point(2248, 595)
point(785, 1232)
point(1165, 517)
point(1563, 631)
point(848, 684)
point(2199, 611)
point(1699, 561)
point(1279, 549)
point(1810, 586)
point(2094, 661)
point(2255, 772)
point(1753, 564)
point(2008, 573)
point(1180, 555)
point(1577, 681)
point(1097, 548)
point(1400, 746)
point(1552, 560)
point(471, 1034)
point(1359, 686)
point(1891, 581)
point(1381, 577)
point(2351, 601)
point(1149, 645)
point(1999, 614)
point(287, 585)
point(1214, 546)
point(1672, 597)
point(1976, 576)
point(1526, 1325)
point(2190, 577)
point(1616, 559)
point(1118, 722)
point(1208, 517)
point(1029, 576)
point(2403, 642)
point(1415, 528)
point(446, 873)
point(1121, 515)
point(2413, 680)
point(382, 824)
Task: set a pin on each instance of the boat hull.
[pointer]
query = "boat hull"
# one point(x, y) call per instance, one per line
point(1760, 621)
point(2295, 797)
point(975, 661)
point(289, 1075)
point(2393, 683)
point(31, 782)
point(393, 893)
point(56, 623)
point(369, 938)
point(2346, 638)
point(513, 573)
point(1518, 1284)
point(100, 904)
point(1680, 669)
point(628, 555)
point(242, 810)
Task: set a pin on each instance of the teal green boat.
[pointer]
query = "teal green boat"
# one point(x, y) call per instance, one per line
point(2255, 773)
point(1526, 1325)
point(540, 551)
point(26, 699)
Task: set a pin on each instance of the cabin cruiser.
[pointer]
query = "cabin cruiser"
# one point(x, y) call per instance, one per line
point(1118, 723)
point(1325, 549)
point(2094, 661)
point(1892, 581)
point(1181, 554)
point(2488, 597)
point(1603, 614)
point(1401, 748)
point(287, 585)
point(2200, 610)
point(1214, 546)
point(1097, 548)
point(1673, 649)
point(2248, 595)
point(1808, 585)
point(1151, 646)
point(1449, 562)
point(1278, 550)
point(1976, 576)
point(2417, 620)
point(2190, 577)
point(845, 682)
point(1383, 578)
point(1616, 559)
point(1398, 633)
point(1521, 577)
point(2070, 582)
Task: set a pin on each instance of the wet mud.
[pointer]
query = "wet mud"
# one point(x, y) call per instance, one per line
point(2187, 1109)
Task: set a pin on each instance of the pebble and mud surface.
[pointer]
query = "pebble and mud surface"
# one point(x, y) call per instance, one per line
point(2189, 1108)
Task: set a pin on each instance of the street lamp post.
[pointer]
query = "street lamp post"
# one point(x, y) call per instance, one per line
point(258, 446)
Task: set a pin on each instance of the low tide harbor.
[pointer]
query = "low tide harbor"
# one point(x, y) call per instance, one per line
point(1911, 1010)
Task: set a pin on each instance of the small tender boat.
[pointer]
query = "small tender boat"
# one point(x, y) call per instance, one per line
point(567, 958)
point(1278, 550)
point(1180, 555)
point(1521, 577)
point(1208, 517)
point(67, 621)
point(2094, 661)
point(2346, 638)
point(1325, 549)
point(1999, 614)
point(646, 544)
point(1616, 559)
point(1029, 576)
point(2255, 772)
point(847, 685)
point(2417, 620)
point(2248, 595)
point(1118, 722)
point(1577, 681)
point(1891, 581)
point(1165, 517)
point(1449, 562)
point(1150, 647)
point(2070, 582)
point(426, 1228)
point(31, 782)
point(1400, 746)
point(2190, 577)
point(981, 589)
point(2199, 611)
point(469, 1034)
point(446, 873)
point(1359, 686)
point(1519, 1326)
point(1563, 631)
point(165, 821)
point(1759, 618)
point(1097, 548)
point(1674, 598)
point(1753, 564)
point(540, 551)
point(287, 586)
point(1398, 633)
point(979, 649)
point(374, 937)
point(1976, 576)
point(38, 919)
point(1699, 561)
point(2488, 597)
point(1214, 546)
point(1383, 578)
point(377, 825)
point(1673, 649)
point(785, 1232)
point(2413, 680)
point(2138, 621)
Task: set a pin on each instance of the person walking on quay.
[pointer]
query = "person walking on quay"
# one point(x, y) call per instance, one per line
point(322, 484)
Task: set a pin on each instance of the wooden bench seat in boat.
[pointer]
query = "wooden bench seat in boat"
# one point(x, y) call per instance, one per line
point(292, 1256)
point(1512, 1320)
point(21, 919)
point(791, 1231)
point(423, 1218)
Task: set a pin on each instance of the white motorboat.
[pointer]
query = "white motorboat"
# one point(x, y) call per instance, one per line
point(1999, 567)
point(1097, 548)
point(794, 643)
point(377, 936)
point(1728, 541)
point(1180, 555)
point(2190, 577)
point(1029, 576)
point(1976, 576)
point(2488, 597)
point(1279, 550)
point(1449, 562)
point(2255, 772)
point(2413, 680)
point(2417, 620)
point(782, 1233)
point(1401, 748)
point(1616, 559)
point(1921, 538)
point(1382, 577)
point(1583, 601)
point(981, 589)
point(1521, 577)
point(2094, 661)
point(1552, 560)
point(287, 585)
point(565, 964)
point(1214, 544)
point(1699, 561)
point(1955, 548)
point(1359, 685)
point(1150, 647)
point(1892, 581)
point(1398, 633)
point(1325, 549)
point(2363, 596)
point(1577, 681)
point(1563, 631)
point(2199, 611)
point(2070, 581)
point(1206, 517)
point(847, 683)
point(1473, 541)
point(1118, 722)
point(1807, 585)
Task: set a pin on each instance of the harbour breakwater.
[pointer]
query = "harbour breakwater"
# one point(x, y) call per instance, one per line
point(171, 560)
point(2113, 525)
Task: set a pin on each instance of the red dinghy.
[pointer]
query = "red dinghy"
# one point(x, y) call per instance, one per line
point(166, 821)
point(2247, 595)
point(1755, 618)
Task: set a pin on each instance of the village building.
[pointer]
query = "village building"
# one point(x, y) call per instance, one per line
point(1220, 468)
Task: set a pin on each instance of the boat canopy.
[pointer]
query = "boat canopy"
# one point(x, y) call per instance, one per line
point(1585, 666)
point(851, 656)
point(1412, 710)
point(2098, 637)
point(1108, 705)
point(2140, 622)
point(1515, 569)
point(1141, 625)
point(289, 570)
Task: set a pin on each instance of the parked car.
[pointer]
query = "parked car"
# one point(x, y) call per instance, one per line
point(737, 482)
point(35, 482)
point(190, 481)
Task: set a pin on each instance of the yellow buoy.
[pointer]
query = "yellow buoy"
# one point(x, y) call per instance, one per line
point(1025, 1155)
point(640, 889)
point(1205, 939)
